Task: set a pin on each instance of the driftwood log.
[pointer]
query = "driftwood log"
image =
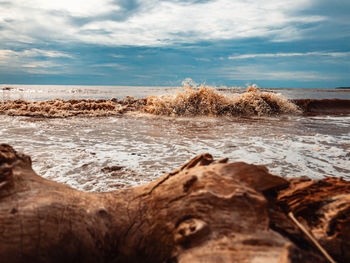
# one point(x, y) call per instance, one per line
point(205, 211)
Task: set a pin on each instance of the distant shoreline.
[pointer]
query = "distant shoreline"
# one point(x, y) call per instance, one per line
point(342, 88)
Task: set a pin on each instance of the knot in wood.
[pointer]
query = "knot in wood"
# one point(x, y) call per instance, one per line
point(191, 230)
point(102, 212)
point(189, 183)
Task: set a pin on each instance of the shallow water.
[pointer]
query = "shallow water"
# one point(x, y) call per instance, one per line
point(47, 92)
point(75, 150)
point(107, 153)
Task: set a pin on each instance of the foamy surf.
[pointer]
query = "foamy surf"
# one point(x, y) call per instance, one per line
point(59, 108)
point(77, 150)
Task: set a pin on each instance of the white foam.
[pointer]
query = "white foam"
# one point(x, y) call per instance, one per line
point(74, 150)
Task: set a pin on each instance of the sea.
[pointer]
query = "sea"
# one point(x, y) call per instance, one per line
point(114, 149)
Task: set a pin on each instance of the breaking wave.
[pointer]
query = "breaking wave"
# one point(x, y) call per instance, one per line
point(190, 101)
point(205, 101)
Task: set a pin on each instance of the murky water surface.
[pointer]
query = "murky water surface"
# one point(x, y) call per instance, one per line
point(138, 148)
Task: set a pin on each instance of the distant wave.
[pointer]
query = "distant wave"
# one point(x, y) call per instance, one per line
point(59, 108)
point(325, 106)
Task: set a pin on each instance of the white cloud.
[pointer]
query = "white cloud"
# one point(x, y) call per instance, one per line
point(6, 53)
point(34, 52)
point(45, 53)
point(253, 72)
point(155, 23)
point(40, 64)
point(117, 56)
point(297, 75)
point(109, 65)
point(43, 71)
point(27, 61)
point(78, 8)
point(276, 55)
point(168, 22)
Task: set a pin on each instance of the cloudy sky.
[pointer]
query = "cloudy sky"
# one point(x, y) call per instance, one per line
point(274, 43)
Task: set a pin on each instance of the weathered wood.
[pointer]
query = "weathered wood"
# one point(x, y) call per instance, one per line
point(205, 211)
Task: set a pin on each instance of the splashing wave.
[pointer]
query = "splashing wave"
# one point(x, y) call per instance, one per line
point(205, 101)
point(190, 101)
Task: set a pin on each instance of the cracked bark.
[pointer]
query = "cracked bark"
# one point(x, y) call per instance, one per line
point(205, 211)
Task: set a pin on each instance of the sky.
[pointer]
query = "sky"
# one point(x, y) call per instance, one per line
point(272, 43)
